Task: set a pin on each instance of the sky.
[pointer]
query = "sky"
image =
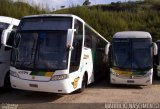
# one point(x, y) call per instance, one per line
point(56, 4)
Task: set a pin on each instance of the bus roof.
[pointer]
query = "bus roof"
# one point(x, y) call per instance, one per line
point(47, 15)
point(132, 34)
point(9, 20)
point(64, 15)
point(54, 15)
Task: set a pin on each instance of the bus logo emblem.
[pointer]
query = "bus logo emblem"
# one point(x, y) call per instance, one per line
point(75, 82)
point(86, 56)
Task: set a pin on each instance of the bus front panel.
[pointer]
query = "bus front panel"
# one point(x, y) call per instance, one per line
point(132, 61)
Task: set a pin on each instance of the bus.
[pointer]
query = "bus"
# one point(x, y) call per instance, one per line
point(132, 58)
point(57, 53)
point(7, 24)
point(158, 60)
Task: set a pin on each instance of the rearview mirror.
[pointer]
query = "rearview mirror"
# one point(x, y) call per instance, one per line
point(155, 48)
point(4, 37)
point(70, 47)
point(107, 49)
point(70, 35)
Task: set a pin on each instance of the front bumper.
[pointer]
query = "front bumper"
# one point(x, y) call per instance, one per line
point(118, 80)
point(60, 86)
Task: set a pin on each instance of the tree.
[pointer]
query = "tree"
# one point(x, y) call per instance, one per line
point(87, 2)
point(62, 6)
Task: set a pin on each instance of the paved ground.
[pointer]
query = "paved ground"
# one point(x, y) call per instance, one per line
point(100, 92)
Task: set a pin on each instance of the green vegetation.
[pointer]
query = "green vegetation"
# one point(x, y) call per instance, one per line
point(109, 19)
point(106, 19)
point(18, 9)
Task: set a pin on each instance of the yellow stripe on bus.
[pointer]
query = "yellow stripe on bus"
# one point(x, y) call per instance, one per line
point(120, 72)
point(49, 74)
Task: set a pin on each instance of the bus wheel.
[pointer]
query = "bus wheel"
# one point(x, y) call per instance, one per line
point(84, 84)
point(7, 83)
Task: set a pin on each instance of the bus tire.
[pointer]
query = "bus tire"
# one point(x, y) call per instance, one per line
point(83, 84)
point(7, 83)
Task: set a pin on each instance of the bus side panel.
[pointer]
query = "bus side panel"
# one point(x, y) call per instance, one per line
point(158, 60)
point(158, 70)
point(86, 66)
point(99, 64)
point(4, 64)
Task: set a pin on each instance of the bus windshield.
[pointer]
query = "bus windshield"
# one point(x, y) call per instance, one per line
point(142, 54)
point(42, 43)
point(121, 53)
point(45, 50)
point(132, 53)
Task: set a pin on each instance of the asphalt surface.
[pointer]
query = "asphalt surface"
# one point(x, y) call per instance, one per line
point(95, 94)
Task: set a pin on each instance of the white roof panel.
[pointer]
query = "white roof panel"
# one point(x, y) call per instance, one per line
point(132, 34)
point(9, 20)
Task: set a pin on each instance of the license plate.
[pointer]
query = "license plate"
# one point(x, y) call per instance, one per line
point(33, 85)
point(130, 81)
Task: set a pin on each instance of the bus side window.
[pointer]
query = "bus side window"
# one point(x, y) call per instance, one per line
point(158, 54)
point(15, 27)
point(0, 36)
point(88, 38)
point(10, 40)
point(77, 44)
point(10, 37)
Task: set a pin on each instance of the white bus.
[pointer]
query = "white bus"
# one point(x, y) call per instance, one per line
point(158, 59)
point(7, 24)
point(132, 58)
point(56, 53)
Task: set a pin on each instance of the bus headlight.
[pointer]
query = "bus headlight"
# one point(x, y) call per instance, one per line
point(114, 73)
point(12, 73)
point(59, 77)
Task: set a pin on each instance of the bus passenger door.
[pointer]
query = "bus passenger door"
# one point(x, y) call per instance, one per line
point(75, 60)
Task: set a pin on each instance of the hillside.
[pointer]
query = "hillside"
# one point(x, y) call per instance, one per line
point(18, 9)
point(106, 19)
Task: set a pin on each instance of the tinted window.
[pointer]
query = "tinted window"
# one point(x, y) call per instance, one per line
point(15, 27)
point(132, 53)
point(77, 44)
point(1, 32)
point(3, 25)
point(43, 50)
point(46, 23)
point(158, 53)
point(121, 53)
point(97, 46)
point(88, 37)
point(142, 54)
